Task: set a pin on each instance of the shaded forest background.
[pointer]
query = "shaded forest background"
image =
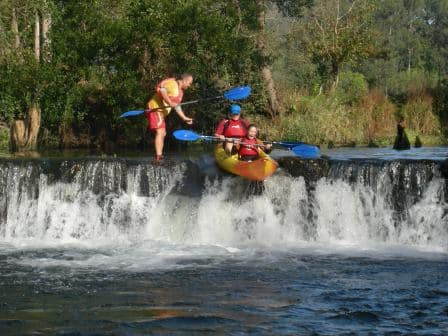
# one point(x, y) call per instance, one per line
point(331, 72)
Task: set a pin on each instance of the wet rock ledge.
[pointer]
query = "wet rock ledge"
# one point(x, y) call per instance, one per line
point(311, 170)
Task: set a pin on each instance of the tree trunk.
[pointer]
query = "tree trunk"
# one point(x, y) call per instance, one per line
point(15, 29)
point(46, 25)
point(335, 74)
point(275, 108)
point(18, 135)
point(33, 126)
point(274, 105)
point(23, 133)
point(409, 59)
point(37, 37)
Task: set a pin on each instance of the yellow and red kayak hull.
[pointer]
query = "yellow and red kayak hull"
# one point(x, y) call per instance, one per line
point(257, 170)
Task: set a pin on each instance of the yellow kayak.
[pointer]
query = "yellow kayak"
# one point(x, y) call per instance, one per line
point(257, 170)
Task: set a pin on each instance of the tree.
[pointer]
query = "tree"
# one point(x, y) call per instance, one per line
point(290, 8)
point(335, 32)
point(21, 57)
point(275, 108)
point(437, 19)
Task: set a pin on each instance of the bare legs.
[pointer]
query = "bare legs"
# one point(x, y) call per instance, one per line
point(228, 146)
point(159, 141)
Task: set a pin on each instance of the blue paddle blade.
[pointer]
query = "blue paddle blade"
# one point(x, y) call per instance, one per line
point(289, 144)
point(238, 93)
point(306, 151)
point(185, 135)
point(131, 113)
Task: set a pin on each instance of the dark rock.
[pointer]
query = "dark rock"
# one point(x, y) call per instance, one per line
point(401, 140)
point(311, 170)
point(330, 144)
point(372, 144)
point(418, 142)
point(444, 169)
point(349, 144)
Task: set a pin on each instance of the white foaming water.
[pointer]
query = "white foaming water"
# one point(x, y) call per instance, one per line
point(121, 227)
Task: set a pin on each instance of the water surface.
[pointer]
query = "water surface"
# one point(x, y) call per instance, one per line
point(107, 246)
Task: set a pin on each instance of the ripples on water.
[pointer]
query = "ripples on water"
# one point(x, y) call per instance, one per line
point(208, 289)
point(387, 153)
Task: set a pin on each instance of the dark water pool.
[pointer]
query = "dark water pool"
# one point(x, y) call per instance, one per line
point(270, 293)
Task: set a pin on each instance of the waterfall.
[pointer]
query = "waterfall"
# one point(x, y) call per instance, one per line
point(355, 201)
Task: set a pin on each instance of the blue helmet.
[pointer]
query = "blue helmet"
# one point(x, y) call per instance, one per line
point(235, 109)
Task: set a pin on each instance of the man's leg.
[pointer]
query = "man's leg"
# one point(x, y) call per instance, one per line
point(159, 141)
point(228, 147)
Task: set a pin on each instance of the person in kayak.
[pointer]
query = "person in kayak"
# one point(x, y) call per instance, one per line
point(249, 146)
point(234, 127)
point(169, 94)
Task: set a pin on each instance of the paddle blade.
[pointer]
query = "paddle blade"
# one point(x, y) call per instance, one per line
point(306, 151)
point(131, 113)
point(289, 144)
point(238, 93)
point(186, 135)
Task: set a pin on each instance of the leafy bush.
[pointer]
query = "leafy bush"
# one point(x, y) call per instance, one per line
point(351, 88)
point(441, 106)
point(378, 115)
point(408, 84)
point(419, 116)
point(322, 119)
point(4, 139)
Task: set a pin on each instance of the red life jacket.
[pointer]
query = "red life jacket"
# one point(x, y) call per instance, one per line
point(178, 98)
point(245, 150)
point(235, 128)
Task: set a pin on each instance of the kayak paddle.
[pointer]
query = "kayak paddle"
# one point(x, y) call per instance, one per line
point(237, 93)
point(186, 135)
point(298, 148)
point(306, 151)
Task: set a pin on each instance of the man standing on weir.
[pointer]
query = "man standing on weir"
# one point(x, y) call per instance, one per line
point(169, 94)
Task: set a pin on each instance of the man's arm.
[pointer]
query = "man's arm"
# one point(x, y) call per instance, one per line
point(219, 132)
point(182, 115)
point(164, 94)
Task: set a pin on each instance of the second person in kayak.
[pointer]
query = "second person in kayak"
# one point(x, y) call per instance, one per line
point(249, 146)
point(234, 127)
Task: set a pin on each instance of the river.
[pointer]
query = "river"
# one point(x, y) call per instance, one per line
point(353, 244)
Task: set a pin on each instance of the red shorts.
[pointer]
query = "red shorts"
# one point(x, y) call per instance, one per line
point(153, 120)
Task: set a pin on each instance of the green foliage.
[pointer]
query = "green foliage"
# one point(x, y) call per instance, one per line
point(9, 106)
point(4, 139)
point(406, 84)
point(105, 57)
point(351, 88)
point(335, 32)
point(22, 83)
point(441, 105)
point(419, 116)
point(322, 119)
point(325, 119)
